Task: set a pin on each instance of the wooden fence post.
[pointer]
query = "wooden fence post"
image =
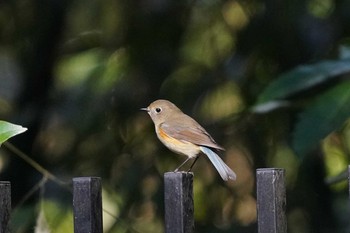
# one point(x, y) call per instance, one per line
point(271, 200)
point(349, 180)
point(178, 197)
point(87, 205)
point(5, 206)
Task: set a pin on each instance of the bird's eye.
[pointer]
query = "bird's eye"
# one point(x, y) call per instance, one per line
point(158, 110)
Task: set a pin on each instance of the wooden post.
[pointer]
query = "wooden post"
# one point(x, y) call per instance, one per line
point(87, 205)
point(271, 200)
point(178, 202)
point(5, 206)
point(349, 180)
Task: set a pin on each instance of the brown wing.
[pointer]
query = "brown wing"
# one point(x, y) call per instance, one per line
point(189, 130)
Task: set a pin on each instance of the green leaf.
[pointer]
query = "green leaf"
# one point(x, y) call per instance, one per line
point(303, 78)
point(8, 130)
point(326, 114)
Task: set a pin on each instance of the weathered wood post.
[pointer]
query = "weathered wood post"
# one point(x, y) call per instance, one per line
point(178, 197)
point(349, 180)
point(87, 205)
point(271, 200)
point(5, 206)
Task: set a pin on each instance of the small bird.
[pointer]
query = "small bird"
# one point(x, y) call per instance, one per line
point(183, 135)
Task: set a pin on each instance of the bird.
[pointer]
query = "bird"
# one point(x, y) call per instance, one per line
point(183, 135)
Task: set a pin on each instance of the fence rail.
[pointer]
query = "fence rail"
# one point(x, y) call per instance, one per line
point(178, 198)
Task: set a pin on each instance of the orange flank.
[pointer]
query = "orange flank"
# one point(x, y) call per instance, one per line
point(178, 146)
point(166, 138)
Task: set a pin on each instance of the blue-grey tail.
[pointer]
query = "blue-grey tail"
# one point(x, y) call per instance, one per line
point(225, 172)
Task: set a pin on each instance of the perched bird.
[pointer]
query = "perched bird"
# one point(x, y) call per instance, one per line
point(183, 135)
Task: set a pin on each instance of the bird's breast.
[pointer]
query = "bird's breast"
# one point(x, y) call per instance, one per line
point(178, 146)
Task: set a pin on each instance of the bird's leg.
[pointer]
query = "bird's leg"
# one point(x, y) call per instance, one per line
point(195, 160)
point(177, 169)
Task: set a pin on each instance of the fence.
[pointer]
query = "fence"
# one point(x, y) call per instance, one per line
point(178, 197)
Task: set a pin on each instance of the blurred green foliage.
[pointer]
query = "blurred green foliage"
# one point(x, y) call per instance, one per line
point(268, 79)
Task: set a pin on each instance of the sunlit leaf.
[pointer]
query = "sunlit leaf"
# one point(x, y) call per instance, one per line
point(269, 106)
point(303, 78)
point(8, 130)
point(326, 114)
point(336, 161)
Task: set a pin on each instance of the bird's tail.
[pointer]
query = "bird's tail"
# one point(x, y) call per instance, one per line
point(224, 170)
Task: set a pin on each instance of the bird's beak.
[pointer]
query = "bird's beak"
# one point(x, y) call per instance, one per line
point(144, 109)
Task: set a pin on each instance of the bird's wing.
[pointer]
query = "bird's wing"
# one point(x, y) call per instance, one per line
point(194, 134)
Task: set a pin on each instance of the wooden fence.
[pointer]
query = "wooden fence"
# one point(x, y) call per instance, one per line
point(178, 197)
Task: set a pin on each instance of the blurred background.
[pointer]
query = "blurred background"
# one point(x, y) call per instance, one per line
point(269, 80)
